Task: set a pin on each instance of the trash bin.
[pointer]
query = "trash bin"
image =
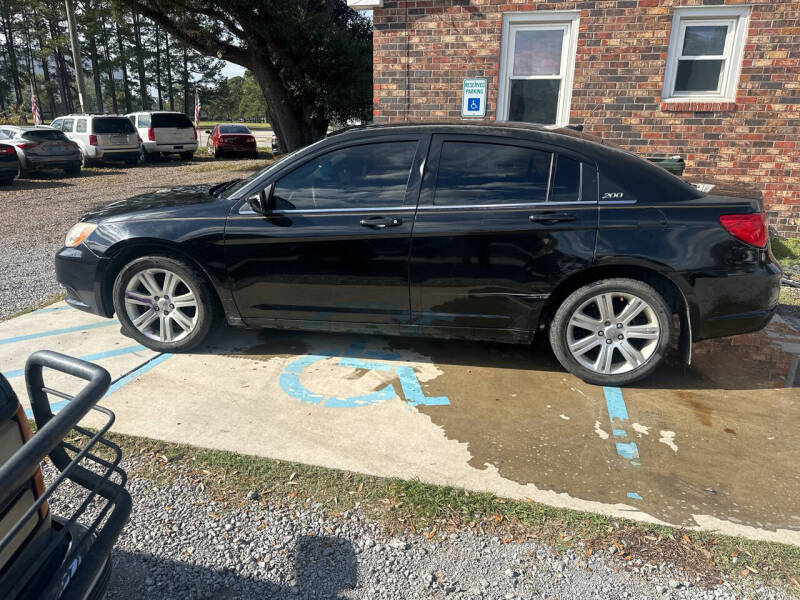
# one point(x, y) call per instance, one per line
point(673, 164)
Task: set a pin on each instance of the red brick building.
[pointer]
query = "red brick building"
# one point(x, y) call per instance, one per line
point(715, 81)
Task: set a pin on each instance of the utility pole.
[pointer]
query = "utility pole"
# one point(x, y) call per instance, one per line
point(76, 52)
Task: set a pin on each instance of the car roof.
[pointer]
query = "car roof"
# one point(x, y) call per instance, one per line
point(29, 127)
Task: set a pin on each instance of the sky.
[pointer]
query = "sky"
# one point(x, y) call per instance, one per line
point(232, 70)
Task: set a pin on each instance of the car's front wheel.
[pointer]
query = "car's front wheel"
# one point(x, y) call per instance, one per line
point(612, 332)
point(163, 303)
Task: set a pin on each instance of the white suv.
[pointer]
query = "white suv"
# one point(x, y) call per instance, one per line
point(101, 137)
point(165, 132)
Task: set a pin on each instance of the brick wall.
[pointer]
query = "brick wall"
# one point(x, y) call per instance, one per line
point(423, 49)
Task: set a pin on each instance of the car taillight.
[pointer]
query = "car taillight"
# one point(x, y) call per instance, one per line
point(251, 139)
point(74, 145)
point(92, 139)
point(151, 135)
point(6, 150)
point(27, 145)
point(750, 228)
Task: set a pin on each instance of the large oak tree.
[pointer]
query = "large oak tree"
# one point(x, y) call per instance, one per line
point(312, 59)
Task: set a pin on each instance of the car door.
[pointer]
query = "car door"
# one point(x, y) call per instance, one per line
point(334, 246)
point(500, 222)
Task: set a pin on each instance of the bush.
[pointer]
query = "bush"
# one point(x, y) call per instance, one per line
point(14, 115)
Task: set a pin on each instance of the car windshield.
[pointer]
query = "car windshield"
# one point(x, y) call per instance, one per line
point(233, 129)
point(112, 125)
point(178, 120)
point(44, 135)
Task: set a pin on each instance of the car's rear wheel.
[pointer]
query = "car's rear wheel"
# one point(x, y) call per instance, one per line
point(217, 152)
point(73, 170)
point(7, 180)
point(145, 156)
point(164, 303)
point(85, 161)
point(187, 155)
point(612, 332)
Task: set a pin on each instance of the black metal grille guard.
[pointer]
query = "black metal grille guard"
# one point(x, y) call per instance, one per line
point(87, 553)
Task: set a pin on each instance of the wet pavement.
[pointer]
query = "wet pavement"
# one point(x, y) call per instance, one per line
point(714, 445)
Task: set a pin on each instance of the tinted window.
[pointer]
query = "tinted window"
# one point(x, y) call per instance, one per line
point(44, 135)
point(233, 129)
point(171, 120)
point(80, 126)
point(67, 125)
point(371, 175)
point(112, 125)
point(566, 180)
point(144, 120)
point(588, 183)
point(479, 173)
point(56, 124)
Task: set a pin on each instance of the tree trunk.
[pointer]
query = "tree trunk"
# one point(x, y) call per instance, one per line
point(8, 33)
point(158, 69)
point(112, 86)
point(185, 79)
point(98, 88)
point(126, 87)
point(170, 91)
point(137, 40)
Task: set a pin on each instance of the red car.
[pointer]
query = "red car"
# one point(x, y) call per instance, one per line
point(231, 139)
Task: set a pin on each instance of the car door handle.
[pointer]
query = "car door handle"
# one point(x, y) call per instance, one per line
point(551, 218)
point(381, 222)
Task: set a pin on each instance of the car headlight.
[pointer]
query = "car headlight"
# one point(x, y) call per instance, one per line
point(78, 233)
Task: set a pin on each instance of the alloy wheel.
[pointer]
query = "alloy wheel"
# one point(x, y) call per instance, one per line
point(613, 333)
point(161, 305)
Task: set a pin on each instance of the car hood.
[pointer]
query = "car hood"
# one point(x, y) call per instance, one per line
point(180, 202)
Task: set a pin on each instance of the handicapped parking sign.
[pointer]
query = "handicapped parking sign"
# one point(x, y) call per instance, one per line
point(473, 97)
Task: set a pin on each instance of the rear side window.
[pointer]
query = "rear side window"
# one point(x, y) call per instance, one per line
point(67, 125)
point(80, 126)
point(112, 125)
point(45, 135)
point(178, 120)
point(144, 120)
point(566, 184)
point(372, 175)
point(475, 173)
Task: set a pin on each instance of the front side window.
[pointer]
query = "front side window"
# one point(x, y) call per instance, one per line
point(477, 173)
point(705, 53)
point(538, 60)
point(367, 176)
point(80, 126)
point(56, 124)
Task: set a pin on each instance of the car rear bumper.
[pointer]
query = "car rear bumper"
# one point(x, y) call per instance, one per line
point(7, 169)
point(170, 148)
point(115, 154)
point(79, 271)
point(32, 163)
point(735, 304)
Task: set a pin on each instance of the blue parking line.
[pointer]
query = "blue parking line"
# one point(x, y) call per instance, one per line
point(33, 336)
point(89, 357)
point(118, 383)
point(617, 411)
point(48, 309)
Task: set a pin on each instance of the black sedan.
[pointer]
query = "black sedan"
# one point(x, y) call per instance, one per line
point(9, 164)
point(495, 232)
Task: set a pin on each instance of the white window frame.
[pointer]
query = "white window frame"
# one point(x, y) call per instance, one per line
point(568, 21)
point(736, 18)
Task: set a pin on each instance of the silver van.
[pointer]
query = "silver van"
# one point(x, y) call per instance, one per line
point(101, 137)
point(165, 132)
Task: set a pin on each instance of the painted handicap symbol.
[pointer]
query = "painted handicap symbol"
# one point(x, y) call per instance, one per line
point(411, 388)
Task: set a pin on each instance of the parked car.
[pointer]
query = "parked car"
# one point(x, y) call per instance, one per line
point(9, 164)
point(101, 137)
point(63, 553)
point(231, 139)
point(275, 146)
point(164, 132)
point(42, 148)
point(518, 231)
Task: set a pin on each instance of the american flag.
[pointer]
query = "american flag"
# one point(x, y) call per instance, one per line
point(196, 109)
point(37, 116)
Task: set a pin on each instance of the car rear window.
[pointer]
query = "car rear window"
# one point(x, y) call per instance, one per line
point(178, 120)
point(112, 125)
point(45, 135)
point(233, 129)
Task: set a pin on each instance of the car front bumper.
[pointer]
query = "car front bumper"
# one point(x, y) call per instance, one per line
point(80, 272)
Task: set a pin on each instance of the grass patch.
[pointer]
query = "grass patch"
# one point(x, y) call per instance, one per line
point(786, 250)
point(244, 166)
point(401, 505)
point(30, 309)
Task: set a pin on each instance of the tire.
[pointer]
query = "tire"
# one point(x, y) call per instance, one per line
point(85, 161)
point(7, 181)
point(141, 281)
point(131, 161)
point(145, 156)
point(217, 152)
point(186, 155)
point(74, 170)
point(580, 318)
point(254, 154)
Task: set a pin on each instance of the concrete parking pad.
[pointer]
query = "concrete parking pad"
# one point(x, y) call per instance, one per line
point(712, 446)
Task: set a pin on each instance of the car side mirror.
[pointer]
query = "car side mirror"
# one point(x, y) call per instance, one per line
point(261, 203)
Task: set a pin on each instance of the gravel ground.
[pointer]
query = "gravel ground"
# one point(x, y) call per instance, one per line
point(37, 212)
point(182, 544)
